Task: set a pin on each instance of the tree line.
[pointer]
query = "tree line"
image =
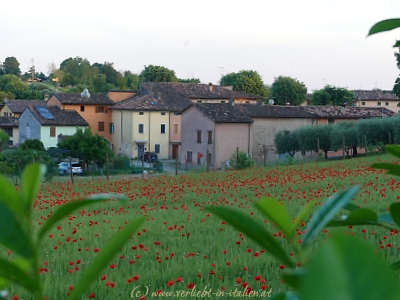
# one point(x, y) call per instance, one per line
point(75, 74)
point(349, 136)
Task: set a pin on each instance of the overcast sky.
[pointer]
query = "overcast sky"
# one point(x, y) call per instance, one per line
point(318, 42)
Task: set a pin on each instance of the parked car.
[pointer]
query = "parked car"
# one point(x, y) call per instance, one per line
point(150, 156)
point(64, 168)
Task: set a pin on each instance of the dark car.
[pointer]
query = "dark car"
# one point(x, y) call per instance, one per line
point(150, 156)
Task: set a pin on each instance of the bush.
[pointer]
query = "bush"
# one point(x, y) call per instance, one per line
point(241, 160)
point(121, 162)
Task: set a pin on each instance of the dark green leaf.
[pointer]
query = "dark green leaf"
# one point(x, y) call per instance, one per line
point(395, 265)
point(393, 149)
point(12, 234)
point(254, 231)
point(68, 208)
point(292, 277)
point(276, 213)
point(31, 180)
point(284, 296)
point(348, 268)
point(104, 257)
point(386, 218)
point(384, 25)
point(18, 275)
point(360, 216)
point(391, 169)
point(326, 212)
point(9, 196)
point(395, 212)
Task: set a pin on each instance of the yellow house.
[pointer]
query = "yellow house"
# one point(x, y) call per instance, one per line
point(376, 98)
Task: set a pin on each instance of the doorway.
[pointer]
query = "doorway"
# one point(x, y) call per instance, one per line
point(140, 151)
point(175, 151)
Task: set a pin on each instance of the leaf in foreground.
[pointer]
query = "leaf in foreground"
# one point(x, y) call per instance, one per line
point(254, 231)
point(348, 268)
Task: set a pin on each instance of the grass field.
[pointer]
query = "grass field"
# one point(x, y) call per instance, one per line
point(181, 246)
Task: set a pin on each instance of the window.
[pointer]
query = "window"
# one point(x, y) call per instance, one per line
point(52, 131)
point(163, 113)
point(111, 128)
point(189, 157)
point(176, 114)
point(157, 148)
point(363, 103)
point(210, 136)
point(331, 121)
point(199, 101)
point(222, 101)
point(6, 114)
point(101, 126)
point(10, 143)
point(100, 109)
point(386, 103)
point(379, 103)
point(199, 136)
point(141, 113)
point(141, 128)
point(247, 101)
point(175, 129)
point(82, 108)
point(9, 131)
point(162, 128)
point(27, 124)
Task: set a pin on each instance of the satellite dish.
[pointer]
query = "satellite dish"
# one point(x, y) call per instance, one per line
point(85, 94)
point(271, 101)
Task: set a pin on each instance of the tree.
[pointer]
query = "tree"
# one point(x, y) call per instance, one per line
point(314, 138)
point(286, 142)
point(11, 66)
point(288, 90)
point(11, 83)
point(158, 74)
point(189, 80)
point(32, 144)
point(332, 95)
point(88, 147)
point(344, 136)
point(132, 80)
point(4, 139)
point(246, 81)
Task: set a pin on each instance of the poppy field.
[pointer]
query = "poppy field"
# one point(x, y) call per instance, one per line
point(182, 248)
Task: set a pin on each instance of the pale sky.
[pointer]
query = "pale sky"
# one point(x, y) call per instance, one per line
point(318, 42)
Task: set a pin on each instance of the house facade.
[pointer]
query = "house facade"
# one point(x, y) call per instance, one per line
point(15, 108)
point(217, 129)
point(49, 124)
point(94, 108)
point(10, 126)
point(376, 98)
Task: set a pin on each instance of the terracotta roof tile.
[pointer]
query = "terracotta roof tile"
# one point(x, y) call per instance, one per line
point(75, 98)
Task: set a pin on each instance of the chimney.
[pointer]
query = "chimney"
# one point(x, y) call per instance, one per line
point(210, 86)
point(287, 104)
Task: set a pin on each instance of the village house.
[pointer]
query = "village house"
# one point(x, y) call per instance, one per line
point(10, 126)
point(376, 98)
point(49, 124)
point(218, 129)
point(15, 108)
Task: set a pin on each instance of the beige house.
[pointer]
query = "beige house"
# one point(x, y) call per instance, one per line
point(376, 98)
point(10, 126)
point(218, 129)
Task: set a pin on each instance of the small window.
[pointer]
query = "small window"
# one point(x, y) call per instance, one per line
point(6, 114)
point(379, 103)
point(163, 113)
point(189, 157)
point(331, 121)
point(363, 103)
point(210, 134)
point(27, 124)
point(176, 114)
point(9, 131)
point(52, 131)
point(162, 128)
point(141, 128)
point(199, 101)
point(199, 136)
point(101, 126)
point(100, 109)
point(222, 101)
point(157, 148)
point(175, 128)
point(141, 113)
point(247, 101)
point(10, 143)
point(82, 108)
point(386, 103)
point(111, 128)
